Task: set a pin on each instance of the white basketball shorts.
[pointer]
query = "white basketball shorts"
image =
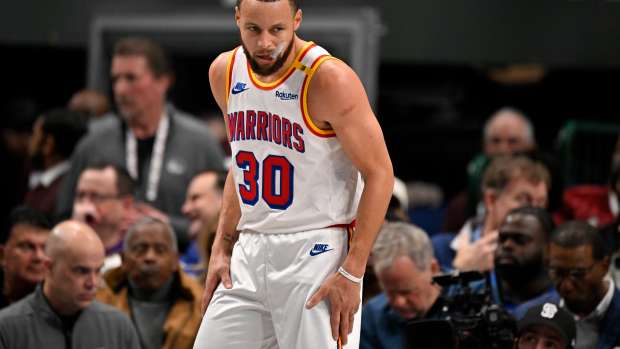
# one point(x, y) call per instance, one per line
point(273, 276)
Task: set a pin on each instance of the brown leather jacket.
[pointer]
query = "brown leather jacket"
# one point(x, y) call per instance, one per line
point(184, 318)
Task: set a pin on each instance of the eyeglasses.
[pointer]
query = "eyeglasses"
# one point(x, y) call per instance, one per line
point(94, 197)
point(575, 274)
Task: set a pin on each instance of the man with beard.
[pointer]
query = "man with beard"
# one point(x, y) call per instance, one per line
point(22, 254)
point(520, 280)
point(62, 312)
point(54, 136)
point(308, 159)
point(164, 302)
point(161, 147)
point(578, 265)
point(508, 183)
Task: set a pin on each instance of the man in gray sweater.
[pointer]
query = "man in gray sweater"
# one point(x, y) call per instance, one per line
point(161, 147)
point(62, 313)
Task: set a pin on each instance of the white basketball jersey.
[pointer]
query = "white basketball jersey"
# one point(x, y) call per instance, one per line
point(290, 176)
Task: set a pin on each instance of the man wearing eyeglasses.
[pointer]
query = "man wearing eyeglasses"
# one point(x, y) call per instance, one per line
point(578, 264)
point(104, 201)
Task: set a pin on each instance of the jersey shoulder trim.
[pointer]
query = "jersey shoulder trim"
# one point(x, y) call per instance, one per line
point(229, 71)
point(304, 98)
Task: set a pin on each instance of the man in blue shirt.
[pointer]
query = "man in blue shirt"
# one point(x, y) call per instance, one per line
point(404, 264)
point(520, 279)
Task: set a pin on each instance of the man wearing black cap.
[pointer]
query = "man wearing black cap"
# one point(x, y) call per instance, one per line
point(546, 326)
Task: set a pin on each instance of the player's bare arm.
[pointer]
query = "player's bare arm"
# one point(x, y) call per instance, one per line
point(337, 100)
point(226, 234)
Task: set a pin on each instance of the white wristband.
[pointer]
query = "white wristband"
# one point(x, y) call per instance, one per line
point(349, 277)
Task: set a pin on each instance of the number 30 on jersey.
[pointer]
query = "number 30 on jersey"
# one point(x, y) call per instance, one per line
point(276, 179)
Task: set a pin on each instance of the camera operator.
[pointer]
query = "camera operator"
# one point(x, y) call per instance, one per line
point(546, 326)
point(404, 264)
point(520, 279)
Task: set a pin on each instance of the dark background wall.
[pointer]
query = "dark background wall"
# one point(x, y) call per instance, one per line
point(434, 89)
point(558, 32)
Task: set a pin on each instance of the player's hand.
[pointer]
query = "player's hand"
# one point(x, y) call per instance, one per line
point(477, 255)
point(343, 297)
point(218, 271)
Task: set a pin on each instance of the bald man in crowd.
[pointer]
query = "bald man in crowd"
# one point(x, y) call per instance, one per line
point(508, 131)
point(62, 312)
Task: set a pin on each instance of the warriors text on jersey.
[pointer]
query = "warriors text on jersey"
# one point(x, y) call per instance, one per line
point(290, 176)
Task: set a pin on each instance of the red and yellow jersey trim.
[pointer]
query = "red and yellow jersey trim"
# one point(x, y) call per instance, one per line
point(271, 85)
point(304, 99)
point(229, 70)
point(349, 227)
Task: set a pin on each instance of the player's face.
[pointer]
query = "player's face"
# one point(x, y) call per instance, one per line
point(409, 290)
point(267, 33)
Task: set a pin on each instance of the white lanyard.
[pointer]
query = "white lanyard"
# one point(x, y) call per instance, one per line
point(157, 157)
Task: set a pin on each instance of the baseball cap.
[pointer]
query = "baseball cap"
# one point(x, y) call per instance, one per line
point(550, 315)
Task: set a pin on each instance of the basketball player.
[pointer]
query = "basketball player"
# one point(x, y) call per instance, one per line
point(308, 160)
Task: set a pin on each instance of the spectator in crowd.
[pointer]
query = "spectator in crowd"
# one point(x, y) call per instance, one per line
point(54, 136)
point(161, 147)
point(404, 264)
point(18, 116)
point(520, 279)
point(104, 201)
point(217, 126)
point(22, 254)
point(164, 302)
point(578, 266)
point(396, 212)
point(546, 326)
point(507, 132)
point(90, 103)
point(611, 232)
point(399, 203)
point(62, 313)
point(202, 207)
point(508, 183)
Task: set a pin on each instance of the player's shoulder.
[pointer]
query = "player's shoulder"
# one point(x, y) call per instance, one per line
point(334, 73)
point(219, 64)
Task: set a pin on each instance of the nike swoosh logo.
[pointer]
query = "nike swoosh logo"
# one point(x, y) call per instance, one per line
point(236, 91)
point(314, 253)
